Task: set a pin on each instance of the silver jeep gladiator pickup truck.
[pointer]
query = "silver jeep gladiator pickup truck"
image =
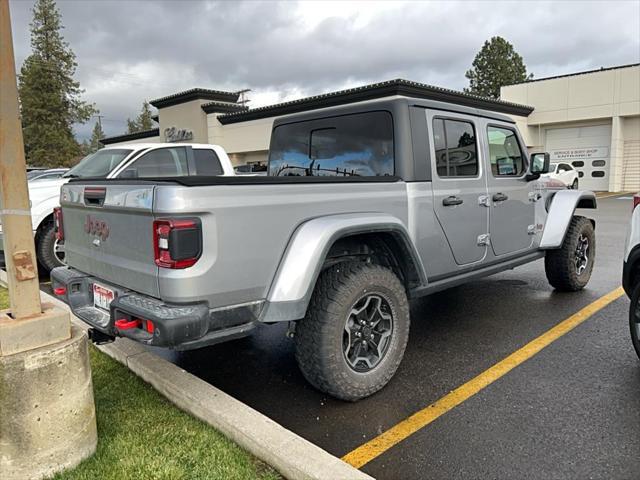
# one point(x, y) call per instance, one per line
point(381, 196)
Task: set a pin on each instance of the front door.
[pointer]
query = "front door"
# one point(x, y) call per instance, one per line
point(459, 186)
point(511, 219)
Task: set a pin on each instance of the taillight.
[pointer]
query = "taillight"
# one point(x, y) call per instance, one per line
point(58, 226)
point(636, 200)
point(177, 242)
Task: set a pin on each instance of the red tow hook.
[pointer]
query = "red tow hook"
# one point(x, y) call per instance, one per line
point(124, 324)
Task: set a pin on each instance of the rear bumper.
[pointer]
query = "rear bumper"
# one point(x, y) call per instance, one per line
point(176, 326)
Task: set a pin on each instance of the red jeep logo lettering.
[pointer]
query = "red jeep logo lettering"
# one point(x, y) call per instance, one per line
point(99, 228)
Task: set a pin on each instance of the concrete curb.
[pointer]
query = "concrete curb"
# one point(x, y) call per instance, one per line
point(293, 456)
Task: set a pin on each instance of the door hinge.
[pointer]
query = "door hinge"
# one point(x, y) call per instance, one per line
point(484, 200)
point(484, 239)
point(534, 196)
point(531, 229)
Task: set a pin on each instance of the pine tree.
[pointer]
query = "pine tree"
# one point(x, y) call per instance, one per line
point(96, 135)
point(143, 121)
point(496, 64)
point(50, 99)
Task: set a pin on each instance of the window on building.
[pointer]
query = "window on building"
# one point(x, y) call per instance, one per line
point(578, 163)
point(505, 154)
point(597, 174)
point(351, 145)
point(598, 163)
point(455, 147)
point(207, 162)
point(162, 162)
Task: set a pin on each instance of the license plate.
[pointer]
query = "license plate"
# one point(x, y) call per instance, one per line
point(102, 296)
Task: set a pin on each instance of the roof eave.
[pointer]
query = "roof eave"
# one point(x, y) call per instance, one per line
point(154, 132)
point(195, 94)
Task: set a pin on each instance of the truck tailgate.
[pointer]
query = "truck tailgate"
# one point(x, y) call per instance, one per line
point(109, 233)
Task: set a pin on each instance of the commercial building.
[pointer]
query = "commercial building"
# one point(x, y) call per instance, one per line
point(589, 119)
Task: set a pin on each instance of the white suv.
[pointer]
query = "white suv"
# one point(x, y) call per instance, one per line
point(631, 273)
point(564, 173)
point(137, 160)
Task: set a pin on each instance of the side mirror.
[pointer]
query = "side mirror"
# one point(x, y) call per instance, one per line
point(540, 163)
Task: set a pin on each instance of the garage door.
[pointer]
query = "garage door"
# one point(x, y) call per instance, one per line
point(586, 148)
point(631, 166)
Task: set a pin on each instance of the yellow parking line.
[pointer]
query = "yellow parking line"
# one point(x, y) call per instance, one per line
point(383, 442)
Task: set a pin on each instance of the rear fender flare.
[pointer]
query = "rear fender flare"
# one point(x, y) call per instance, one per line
point(306, 252)
point(563, 206)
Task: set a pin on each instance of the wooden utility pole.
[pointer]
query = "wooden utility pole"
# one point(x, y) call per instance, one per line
point(19, 250)
point(43, 362)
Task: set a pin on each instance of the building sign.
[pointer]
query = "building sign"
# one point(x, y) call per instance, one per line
point(569, 154)
point(173, 134)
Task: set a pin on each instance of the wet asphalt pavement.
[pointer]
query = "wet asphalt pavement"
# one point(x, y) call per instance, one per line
point(571, 411)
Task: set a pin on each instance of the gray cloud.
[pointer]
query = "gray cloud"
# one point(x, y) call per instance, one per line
point(131, 50)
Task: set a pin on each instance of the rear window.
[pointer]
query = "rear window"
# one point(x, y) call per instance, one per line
point(163, 162)
point(351, 145)
point(207, 162)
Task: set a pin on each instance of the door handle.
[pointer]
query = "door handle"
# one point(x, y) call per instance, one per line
point(451, 200)
point(499, 197)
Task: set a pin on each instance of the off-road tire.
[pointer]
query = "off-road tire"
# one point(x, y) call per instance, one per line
point(560, 265)
point(44, 248)
point(574, 185)
point(634, 315)
point(319, 348)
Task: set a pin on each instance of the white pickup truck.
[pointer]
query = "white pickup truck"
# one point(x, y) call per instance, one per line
point(136, 160)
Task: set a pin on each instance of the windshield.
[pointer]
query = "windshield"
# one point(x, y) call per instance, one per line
point(34, 174)
point(553, 167)
point(98, 164)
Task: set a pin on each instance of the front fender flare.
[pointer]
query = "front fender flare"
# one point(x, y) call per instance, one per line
point(302, 262)
point(561, 210)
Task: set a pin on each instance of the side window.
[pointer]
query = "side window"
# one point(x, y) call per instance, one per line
point(456, 149)
point(207, 162)
point(505, 155)
point(163, 162)
point(360, 144)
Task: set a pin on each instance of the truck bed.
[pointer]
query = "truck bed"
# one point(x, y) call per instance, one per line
point(246, 225)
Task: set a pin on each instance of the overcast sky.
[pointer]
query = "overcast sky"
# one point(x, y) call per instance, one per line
point(128, 51)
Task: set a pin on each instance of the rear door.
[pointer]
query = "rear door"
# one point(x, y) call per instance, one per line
point(109, 233)
point(459, 185)
point(512, 212)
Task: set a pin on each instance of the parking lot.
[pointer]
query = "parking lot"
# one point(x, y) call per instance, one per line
point(570, 411)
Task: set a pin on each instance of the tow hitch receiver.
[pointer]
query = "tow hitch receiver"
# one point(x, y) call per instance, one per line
point(124, 324)
point(99, 338)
